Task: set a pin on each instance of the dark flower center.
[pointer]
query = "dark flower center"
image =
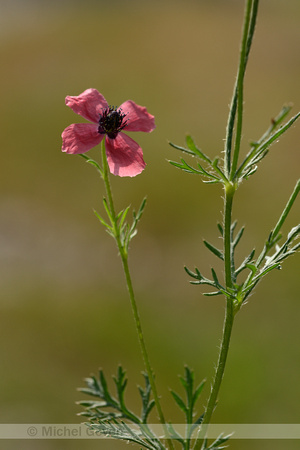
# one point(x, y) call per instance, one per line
point(111, 122)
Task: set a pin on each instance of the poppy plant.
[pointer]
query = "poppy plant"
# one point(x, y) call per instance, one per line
point(124, 155)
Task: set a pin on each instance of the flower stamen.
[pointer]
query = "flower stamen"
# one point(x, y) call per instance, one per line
point(111, 122)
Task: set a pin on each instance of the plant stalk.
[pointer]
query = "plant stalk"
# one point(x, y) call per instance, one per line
point(236, 109)
point(228, 321)
point(235, 122)
point(124, 258)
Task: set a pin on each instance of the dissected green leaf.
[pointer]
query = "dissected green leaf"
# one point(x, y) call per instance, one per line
point(238, 237)
point(246, 261)
point(175, 435)
point(220, 228)
point(214, 250)
point(147, 403)
point(117, 429)
point(260, 149)
point(122, 216)
point(188, 407)
point(179, 401)
point(106, 415)
point(198, 391)
point(141, 209)
point(182, 149)
point(104, 388)
point(186, 167)
point(102, 221)
point(214, 176)
point(195, 150)
point(219, 171)
point(212, 294)
point(219, 441)
point(92, 162)
point(106, 207)
point(215, 278)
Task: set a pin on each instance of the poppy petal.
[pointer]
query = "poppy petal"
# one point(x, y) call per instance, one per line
point(89, 104)
point(137, 116)
point(80, 137)
point(124, 156)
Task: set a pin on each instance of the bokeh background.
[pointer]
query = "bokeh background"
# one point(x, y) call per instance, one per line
point(64, 307)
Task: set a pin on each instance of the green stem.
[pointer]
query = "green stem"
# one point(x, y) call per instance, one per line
point(124, 258)
point(240, 88)
point(227, 329)
point(228, 323)
point(235, 114)
point(229, 316)
point(229, 132)
point(238, 96)
point(245, 50)
point(229, 193)
point(105, 177)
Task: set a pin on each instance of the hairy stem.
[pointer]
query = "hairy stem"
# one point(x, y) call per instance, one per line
point(235, 119)
point(229, 193)
point(240, 87)
point(236, 108)
point(124, 258)
point(229, 316)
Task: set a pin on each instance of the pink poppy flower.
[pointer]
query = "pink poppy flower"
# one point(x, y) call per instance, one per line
point(124, 155)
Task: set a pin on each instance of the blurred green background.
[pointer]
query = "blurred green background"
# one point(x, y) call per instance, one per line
point(64, 306)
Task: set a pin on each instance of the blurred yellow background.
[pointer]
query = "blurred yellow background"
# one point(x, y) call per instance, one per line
point(64, 306)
